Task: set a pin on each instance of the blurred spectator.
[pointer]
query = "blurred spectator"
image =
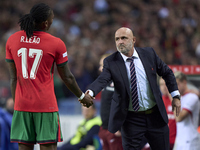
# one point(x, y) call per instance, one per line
point(5, 126)
point(10, 106)
point(87, 131)
point(187, 137)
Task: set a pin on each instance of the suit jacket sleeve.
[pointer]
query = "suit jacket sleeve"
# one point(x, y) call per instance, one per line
point(103, 79)
point(167, 74)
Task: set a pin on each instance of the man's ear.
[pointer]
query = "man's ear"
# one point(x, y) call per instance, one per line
point(134, 39)
point(45, 24)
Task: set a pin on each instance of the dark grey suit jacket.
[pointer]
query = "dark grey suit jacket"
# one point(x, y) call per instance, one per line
point(114, 69)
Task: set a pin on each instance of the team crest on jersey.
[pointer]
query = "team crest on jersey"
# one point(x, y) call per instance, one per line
point(64, 54)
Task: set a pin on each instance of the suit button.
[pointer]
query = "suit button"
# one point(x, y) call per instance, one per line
point(126, 109)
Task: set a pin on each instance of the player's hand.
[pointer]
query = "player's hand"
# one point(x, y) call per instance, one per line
point(118, 133)
point(176, 106)
point(87, 101)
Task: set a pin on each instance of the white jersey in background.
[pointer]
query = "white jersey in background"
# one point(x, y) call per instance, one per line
point(187, 137)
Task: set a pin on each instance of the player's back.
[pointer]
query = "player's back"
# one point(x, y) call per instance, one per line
point(34, 60)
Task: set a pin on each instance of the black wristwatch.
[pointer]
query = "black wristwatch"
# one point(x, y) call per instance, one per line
point(177, 96)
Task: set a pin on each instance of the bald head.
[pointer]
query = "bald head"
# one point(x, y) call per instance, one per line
point(124, 31)
point(125, 40)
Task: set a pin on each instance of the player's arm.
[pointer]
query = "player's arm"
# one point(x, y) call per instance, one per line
point(70, 81)
point(13, 78)
point(183, 114)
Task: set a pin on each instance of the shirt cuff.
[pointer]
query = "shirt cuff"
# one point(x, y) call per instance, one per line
point(174, 93)
point(91, 93)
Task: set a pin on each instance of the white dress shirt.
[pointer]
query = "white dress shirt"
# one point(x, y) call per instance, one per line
point(145, 95)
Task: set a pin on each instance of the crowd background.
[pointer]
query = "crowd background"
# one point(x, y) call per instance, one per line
point(87, 27)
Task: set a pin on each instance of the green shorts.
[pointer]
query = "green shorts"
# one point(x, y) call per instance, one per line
point(34, 127)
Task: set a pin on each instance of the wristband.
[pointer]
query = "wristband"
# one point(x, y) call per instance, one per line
point(177, 96)
point(82, 96)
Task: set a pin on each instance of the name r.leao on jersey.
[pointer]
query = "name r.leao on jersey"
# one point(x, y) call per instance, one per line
point(33, 39)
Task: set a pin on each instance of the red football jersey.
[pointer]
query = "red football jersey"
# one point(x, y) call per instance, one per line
point(34, 60)
point(171, 117)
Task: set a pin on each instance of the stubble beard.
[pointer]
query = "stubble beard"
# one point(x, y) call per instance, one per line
point(125, 49)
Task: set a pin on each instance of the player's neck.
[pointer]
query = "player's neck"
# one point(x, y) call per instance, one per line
point(38, 30)
point(186, 91)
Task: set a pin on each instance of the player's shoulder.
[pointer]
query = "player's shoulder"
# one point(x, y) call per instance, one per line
point(112, 56)
point(145, 50)
point(16, 34)
point(191, 96)
point(56, 39)
point(12, 38)
point(50, 36)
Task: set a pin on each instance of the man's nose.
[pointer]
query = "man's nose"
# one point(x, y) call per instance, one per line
point(121, 41)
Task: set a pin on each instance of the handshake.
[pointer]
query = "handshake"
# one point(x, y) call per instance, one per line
point(86, 99)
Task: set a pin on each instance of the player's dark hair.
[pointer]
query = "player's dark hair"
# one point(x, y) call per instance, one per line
point(29, 22)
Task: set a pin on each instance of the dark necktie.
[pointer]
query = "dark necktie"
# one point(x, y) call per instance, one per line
point(133, 79)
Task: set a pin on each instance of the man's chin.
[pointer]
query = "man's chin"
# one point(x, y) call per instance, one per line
point(124, 51)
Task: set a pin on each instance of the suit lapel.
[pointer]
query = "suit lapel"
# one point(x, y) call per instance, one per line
point(122, 68)
point(144, 61)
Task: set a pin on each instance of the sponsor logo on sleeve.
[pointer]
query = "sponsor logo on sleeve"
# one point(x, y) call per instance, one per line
point(64, 54)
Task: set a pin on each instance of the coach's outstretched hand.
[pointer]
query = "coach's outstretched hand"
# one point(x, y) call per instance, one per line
point(87, 101)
